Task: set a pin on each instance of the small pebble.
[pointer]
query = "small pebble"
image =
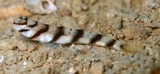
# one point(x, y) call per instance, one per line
point(1, 59)
point(40, 6)
point(72, 70)
point(24, 63)
point(97, 68)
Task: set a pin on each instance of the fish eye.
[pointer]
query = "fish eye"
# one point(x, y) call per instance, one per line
point(20, 22)
point(24, 17)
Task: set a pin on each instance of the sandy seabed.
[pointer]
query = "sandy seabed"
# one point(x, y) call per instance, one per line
point(135, 21)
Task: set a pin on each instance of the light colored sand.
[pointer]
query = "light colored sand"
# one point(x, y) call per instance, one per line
point(135, 21)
